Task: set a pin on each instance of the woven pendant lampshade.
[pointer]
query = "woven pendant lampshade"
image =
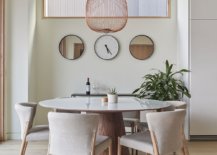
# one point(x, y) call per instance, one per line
point(106, 15)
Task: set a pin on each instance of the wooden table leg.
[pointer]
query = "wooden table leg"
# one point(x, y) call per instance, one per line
point(112, 125)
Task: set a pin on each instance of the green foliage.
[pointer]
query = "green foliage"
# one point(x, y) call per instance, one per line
point(112, 91)
point(163, 85)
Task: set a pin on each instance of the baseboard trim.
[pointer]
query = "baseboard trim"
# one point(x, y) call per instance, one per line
point(203, 137)
point(12, 136)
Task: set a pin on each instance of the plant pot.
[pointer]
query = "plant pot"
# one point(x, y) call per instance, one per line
point(112, 98)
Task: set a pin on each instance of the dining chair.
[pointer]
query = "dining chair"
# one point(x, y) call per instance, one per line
point(165, 134)
point(142, 125)
point(76, 134)
point(132, 120)
point(26, 113)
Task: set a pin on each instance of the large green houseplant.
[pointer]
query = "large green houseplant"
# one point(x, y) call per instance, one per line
point(163, 86)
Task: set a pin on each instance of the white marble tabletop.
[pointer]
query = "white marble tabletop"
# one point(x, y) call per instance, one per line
point(94, 104)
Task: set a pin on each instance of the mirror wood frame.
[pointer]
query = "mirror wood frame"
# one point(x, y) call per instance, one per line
point(139, 48)
point(82, 43)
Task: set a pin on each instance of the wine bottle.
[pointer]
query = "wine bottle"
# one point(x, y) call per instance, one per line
point(88, 87)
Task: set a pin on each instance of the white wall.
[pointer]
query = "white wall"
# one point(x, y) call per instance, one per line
point(19, 43)
point(183, 46)
point(32, 72)
point(37, 71)
point(58, 77)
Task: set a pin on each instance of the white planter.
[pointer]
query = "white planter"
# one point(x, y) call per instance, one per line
point(112, 98)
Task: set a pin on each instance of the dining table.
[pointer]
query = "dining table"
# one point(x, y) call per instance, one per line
point(111, 120)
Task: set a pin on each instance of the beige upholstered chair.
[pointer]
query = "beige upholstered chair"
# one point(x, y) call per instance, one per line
point(75, 134)
point(165, 135)
point(26, 113)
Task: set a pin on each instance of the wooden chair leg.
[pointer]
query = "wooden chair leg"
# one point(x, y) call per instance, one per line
point(119, 147)
point(186, 148)
point(185, 145)
point(132, 131)
point(24, 151)
point(23, 147)
point(185, 151)
point(110, 147)
point(48, 149)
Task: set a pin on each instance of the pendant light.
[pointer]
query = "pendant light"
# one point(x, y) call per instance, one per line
point(106, 15)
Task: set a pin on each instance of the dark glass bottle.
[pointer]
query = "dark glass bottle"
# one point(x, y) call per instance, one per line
point(88, 87)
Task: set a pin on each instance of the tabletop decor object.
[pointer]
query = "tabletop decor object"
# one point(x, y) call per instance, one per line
point(104, 101)
point(106, 47)
point(106, 15)
point(163, 86)
point(112, 96)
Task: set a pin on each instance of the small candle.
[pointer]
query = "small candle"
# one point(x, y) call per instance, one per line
point(104, 101)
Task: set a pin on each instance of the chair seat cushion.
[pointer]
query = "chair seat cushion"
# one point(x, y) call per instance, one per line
point(139, 141)
point(39, 132)
point(102, 142)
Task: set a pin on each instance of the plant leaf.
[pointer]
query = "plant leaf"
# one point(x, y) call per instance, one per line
point(163, 85)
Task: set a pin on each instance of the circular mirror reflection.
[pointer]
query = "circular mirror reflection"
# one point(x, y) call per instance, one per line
point(71, 47)
point(141, 47)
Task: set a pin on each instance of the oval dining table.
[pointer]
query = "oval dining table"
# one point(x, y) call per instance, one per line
point(111, 120)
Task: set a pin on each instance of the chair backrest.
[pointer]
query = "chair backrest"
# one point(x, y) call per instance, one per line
point(26, 113)
point(178, 104)
point(166, 129)
point(72, 134)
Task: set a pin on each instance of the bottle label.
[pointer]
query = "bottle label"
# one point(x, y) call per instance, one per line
point(88, 88)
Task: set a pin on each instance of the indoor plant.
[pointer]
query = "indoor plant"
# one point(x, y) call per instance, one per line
point(112, 96)
point(163, 86)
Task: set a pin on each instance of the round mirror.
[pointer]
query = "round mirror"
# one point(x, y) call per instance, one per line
point(71, 47)
point(141, 47)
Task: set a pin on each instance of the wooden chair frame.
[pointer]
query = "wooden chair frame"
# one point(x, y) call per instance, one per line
point(24, 142)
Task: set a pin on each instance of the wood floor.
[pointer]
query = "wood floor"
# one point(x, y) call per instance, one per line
point(40, 148)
